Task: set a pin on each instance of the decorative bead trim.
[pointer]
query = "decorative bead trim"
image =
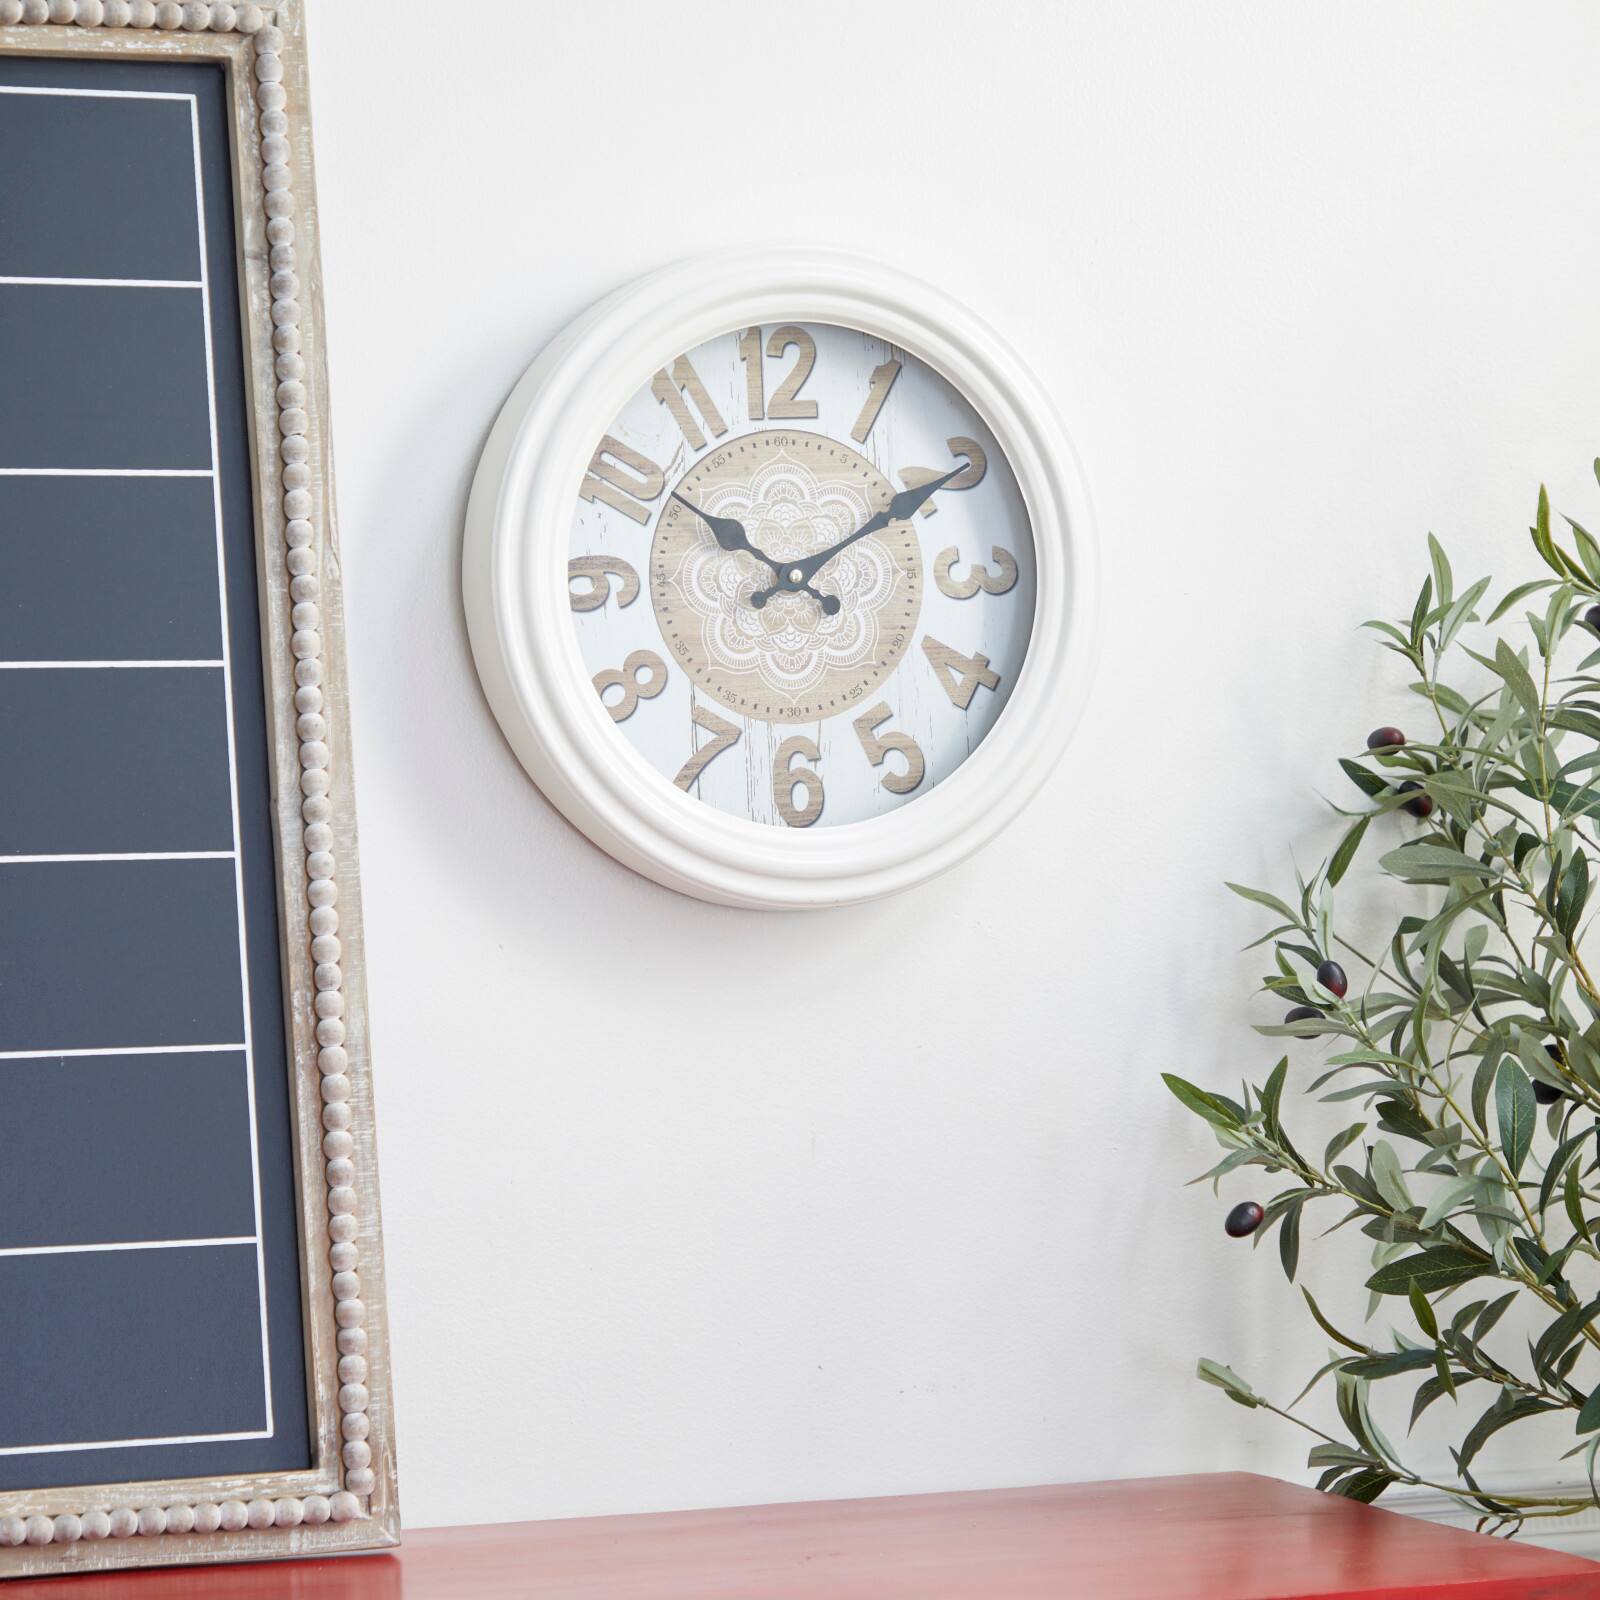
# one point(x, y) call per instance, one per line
point(316, 809)
point(196, 16)
point(209, 1516)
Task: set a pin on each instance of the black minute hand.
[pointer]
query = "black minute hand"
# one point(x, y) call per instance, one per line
point(798, 574)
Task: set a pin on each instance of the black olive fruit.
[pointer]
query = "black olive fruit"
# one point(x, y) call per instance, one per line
point(1391, 738)
point(1592, 617)
point(1422, 805)
point(1301, 1014)
point(1331, 976)
point(1545, 1093)
point(1243, 1220)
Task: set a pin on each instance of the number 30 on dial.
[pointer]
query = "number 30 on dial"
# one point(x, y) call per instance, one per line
point(801, 575)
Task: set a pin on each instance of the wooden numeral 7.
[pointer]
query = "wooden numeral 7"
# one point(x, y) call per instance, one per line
point(723, 733)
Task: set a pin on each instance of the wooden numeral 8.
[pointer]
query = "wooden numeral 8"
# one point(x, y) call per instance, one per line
point(627, 680)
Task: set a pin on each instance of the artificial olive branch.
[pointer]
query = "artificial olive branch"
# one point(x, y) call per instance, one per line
point(1474, 1040)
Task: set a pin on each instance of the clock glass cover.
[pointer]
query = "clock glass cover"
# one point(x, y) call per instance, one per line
point(801, 575)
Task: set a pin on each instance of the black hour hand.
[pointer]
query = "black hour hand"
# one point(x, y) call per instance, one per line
point(727, 531)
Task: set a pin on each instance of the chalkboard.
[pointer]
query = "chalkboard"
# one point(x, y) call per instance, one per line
point(168, 1288)
point(147, 1224)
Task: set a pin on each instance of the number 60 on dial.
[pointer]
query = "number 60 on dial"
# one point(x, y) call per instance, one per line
point(826, 555)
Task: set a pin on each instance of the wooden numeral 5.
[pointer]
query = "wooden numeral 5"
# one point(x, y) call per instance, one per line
point(879, 745)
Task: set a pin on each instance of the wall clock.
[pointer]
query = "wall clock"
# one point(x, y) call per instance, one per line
point(779, 577)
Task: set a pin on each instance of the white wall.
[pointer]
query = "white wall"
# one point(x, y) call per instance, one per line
point(1305, 282)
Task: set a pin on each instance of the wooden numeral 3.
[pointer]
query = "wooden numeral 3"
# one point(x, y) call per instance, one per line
point(978, 577)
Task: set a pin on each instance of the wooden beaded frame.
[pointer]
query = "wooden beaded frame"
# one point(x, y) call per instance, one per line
point(347, 1500)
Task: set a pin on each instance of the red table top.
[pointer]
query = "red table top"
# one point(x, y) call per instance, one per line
point(1228, 1536)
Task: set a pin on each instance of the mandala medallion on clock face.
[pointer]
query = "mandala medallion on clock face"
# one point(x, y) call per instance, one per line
point(785, 658)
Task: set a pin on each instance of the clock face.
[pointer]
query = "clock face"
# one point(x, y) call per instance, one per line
point(801, 575)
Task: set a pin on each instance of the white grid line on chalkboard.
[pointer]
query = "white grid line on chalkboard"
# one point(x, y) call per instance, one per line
point(129, 1244)
point(233, 773)
point(96, 666)
point(128, 1444)
point(120, 855)
point(105, 472)
point(93, 94)
point(120, 1050)
point(106, 283)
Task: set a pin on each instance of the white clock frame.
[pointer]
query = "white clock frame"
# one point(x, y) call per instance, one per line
point(514, 579)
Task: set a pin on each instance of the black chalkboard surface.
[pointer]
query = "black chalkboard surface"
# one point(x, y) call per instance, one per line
point(150, 1290)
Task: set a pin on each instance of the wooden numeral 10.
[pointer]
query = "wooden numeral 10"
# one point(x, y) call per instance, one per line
point(621, 478)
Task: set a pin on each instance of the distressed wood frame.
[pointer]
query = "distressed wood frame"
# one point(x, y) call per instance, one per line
point(347, 1500)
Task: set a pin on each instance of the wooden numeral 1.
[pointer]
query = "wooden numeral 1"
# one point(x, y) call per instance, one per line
point(882, 382)
point(755, 390)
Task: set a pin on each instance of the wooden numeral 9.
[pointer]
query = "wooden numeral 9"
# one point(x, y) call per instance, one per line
point(597, 572)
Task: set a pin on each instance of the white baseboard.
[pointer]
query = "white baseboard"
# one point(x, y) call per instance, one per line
point(1579, 1534)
